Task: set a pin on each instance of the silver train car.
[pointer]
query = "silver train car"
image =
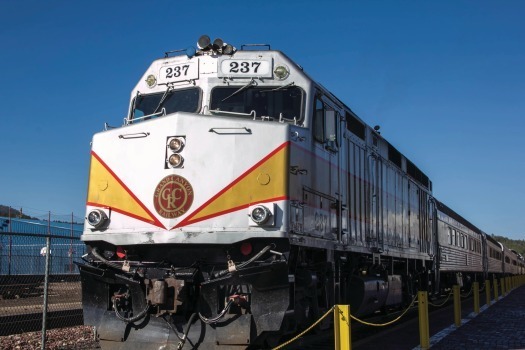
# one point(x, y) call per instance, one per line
point(241, 199)
point(493, 255)
point(467, 254)
point(461, 249)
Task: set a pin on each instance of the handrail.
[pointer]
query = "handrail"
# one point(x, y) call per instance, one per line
point(144, 117)
point(221, 131)
point(137, 135)
point(255, 45)
point(218, 111)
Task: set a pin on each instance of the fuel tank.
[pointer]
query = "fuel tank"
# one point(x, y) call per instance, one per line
point(367, 294)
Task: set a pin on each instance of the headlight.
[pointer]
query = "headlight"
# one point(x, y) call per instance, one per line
point(204, 42)
point(281, 72)
point(97, 218)
point(228, 49)
point(260, 214)
point(176, 144)
point(176, 160)
point(151, 81)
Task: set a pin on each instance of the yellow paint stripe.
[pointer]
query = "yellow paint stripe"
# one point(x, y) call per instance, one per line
point(267, 180)
point(107, 190)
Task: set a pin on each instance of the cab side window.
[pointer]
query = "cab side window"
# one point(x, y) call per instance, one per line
point(326, 125)
point(331, 118)
point(318, 121)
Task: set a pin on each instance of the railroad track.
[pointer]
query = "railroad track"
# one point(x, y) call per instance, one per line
point(22, 311)
point(30, 322)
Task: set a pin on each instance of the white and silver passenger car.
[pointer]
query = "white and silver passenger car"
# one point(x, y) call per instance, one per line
point(460, 248)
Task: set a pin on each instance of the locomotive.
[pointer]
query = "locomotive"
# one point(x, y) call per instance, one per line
point(241, 199)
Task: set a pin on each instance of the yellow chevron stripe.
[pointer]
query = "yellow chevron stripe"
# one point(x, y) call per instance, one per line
point(107, 190)
point(267, 180)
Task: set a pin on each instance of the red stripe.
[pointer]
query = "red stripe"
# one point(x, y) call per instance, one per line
point(155, 221)
point(243, 175)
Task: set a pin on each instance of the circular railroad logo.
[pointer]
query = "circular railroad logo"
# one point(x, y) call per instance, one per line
point(173, 196)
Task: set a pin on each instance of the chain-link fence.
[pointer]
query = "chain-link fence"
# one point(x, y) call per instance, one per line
point(30, 298)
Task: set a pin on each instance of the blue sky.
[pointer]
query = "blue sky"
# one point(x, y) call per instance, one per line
point(445, 80)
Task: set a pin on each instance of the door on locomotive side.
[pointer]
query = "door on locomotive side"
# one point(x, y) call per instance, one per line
point(413, 215)
point(334, 125)
point(424, 229)
point(376, 228)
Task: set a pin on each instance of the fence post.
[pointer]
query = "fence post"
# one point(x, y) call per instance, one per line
point(487, 292)
point(46, 287)
point(10, 251)
point(424, 336)
point(457, 305)
point(476, 297)
point(342, 332)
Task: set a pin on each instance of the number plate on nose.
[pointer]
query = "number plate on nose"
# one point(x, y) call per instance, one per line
point(179, 72)
point(245, 68)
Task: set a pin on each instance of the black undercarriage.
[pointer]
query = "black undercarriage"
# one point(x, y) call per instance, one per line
point(148, 305)
point(215, 297)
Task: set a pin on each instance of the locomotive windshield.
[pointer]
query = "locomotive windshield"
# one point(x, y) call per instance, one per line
point(281, 102)
point(172, 101)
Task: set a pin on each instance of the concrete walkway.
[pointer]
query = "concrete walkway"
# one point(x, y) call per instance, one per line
point(500, 326)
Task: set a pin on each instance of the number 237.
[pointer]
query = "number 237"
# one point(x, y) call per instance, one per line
point(244, 67)
point(177, 71)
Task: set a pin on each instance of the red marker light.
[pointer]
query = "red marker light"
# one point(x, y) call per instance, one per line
point(121, 253)
point(246, 248)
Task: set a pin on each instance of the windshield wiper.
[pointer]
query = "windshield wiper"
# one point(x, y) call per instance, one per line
point(162, 99)
point(280, 87)
point(250, 84)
